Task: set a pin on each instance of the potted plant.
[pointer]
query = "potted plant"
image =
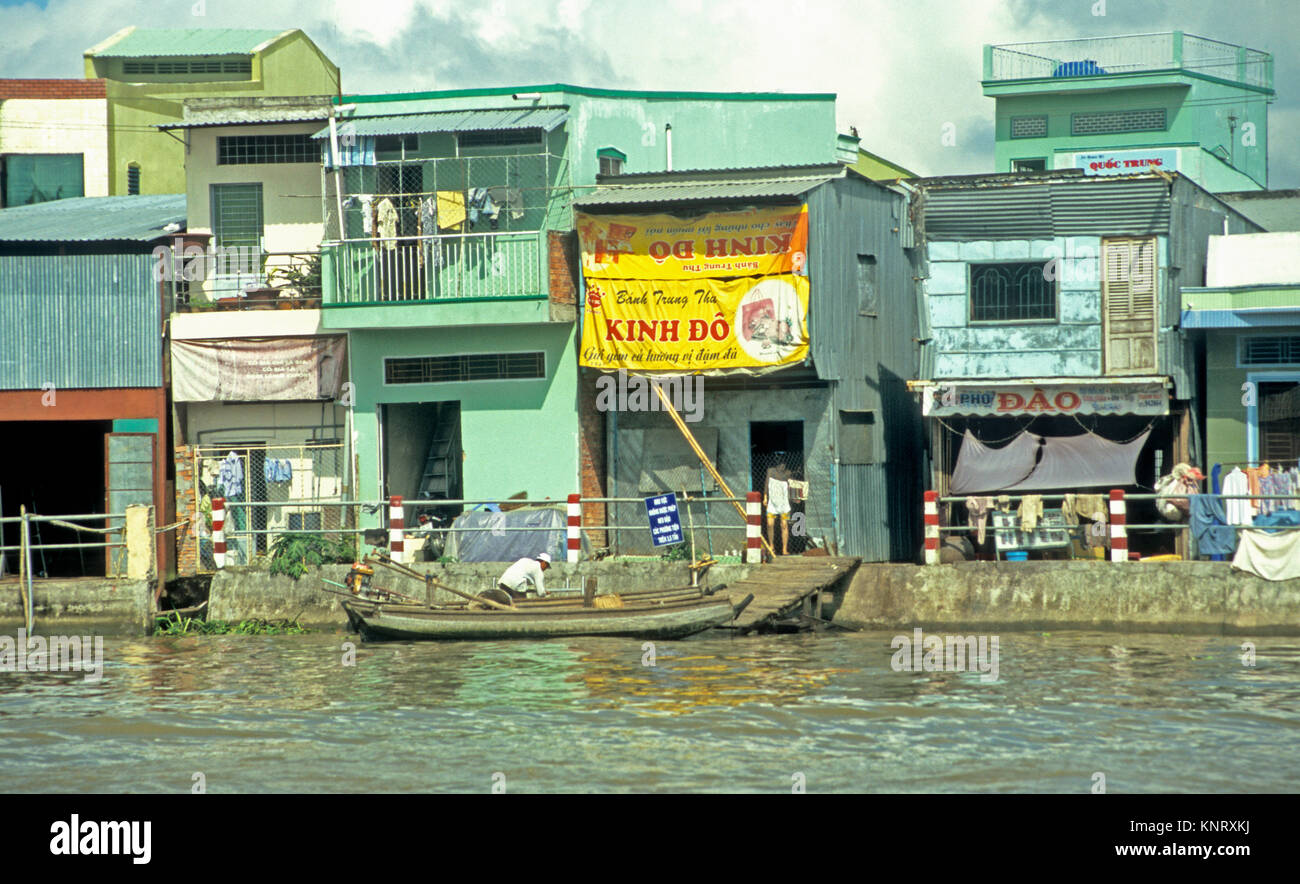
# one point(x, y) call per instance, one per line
point(302, 275)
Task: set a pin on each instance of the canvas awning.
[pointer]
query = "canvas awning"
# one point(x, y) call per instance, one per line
point(257, 369)
point(1038, 463)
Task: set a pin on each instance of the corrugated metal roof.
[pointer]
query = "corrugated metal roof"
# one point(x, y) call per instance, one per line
point(1033, 209)
point(1272, 210)
point(143, 42)
point(544, 118)
point(704, 186)
point(253, 111)
point(94, 219)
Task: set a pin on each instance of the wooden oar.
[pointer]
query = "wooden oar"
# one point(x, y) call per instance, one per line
point(430, 579)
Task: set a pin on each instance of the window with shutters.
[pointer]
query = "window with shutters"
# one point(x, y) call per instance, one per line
point(1129, 292)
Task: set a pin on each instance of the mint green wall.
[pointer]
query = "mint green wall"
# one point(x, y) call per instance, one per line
point(1197, 111)
point(710, 130)
point(1225, 415)
point(517, 435)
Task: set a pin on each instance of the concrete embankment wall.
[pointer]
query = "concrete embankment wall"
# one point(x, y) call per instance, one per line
point(1183, 597)
point(80, 605)
point(248, 593)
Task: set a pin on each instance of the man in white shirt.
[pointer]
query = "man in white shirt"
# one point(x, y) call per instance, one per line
point(523, 573)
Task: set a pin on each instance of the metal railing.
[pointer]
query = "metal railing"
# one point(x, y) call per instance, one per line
point(1105, 529)
point(244, 278)
point(272, 490)
point(408, 269)
point(1129, 54)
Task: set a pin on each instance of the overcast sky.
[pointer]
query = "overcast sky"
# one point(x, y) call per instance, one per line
point(902, 69)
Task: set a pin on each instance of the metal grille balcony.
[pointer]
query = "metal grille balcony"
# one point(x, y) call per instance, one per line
point(1100, 56)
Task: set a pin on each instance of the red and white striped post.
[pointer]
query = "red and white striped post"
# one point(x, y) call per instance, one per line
point(575, 528)
point(1118, 526)
point(219, 531)
point(931, 527)
point(753, 528)
point(396, 529)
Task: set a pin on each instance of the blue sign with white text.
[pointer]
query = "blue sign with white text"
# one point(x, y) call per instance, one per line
point(665, 522)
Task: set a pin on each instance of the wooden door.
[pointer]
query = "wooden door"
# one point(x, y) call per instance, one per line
point(1129, 298)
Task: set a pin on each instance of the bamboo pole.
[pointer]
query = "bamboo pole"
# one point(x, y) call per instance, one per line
point(25, 567)
point(699, 452)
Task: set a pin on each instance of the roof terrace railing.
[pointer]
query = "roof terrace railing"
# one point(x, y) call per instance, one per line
point(1099, 56)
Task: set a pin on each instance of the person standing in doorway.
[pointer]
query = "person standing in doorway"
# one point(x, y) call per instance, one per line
point(776, 500)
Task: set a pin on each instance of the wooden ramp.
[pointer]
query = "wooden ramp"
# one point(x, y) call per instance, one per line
point(786, 590)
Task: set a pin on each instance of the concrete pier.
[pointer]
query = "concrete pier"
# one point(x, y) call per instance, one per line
point(1181, 597)
point(85, 604)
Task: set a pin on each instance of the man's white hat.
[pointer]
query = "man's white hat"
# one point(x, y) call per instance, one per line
point(544, 557)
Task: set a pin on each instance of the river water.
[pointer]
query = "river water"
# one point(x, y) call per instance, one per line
point(827, 712)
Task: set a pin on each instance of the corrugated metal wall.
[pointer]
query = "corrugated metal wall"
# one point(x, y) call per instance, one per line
point(1088, 206)
point(871, 358)
point(79, 321)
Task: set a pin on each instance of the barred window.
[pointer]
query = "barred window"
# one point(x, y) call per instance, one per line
point(1111, 122)
point(497, 137)
point(1270, 350)
point(465, 367)
point(1029, 127)
point(1013, 292)
point(1038, 164)
point(189, 66)
point(236, 150)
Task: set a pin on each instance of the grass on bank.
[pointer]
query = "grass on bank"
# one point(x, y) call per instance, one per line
point(174, 624)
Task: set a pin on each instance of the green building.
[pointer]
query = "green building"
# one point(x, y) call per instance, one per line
point(150, 72)
point(455, 270)
point(1118, 105)
point(1245, 323)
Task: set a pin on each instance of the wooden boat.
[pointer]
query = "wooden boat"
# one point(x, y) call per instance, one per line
point(655, 613)
point(664, 618)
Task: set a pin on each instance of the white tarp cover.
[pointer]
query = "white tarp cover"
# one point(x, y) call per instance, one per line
point(257, 369)
point(1038, 463)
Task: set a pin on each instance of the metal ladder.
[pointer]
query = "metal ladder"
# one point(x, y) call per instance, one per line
point(440, 466)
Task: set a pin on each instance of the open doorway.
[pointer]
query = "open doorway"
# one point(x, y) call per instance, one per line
point(60, 473)
point(422, 455)
point(776, 452)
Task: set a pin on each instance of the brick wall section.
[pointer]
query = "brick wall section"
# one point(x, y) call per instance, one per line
point(562, 262)
point(187, 546)
point(591, 457)
point(13, 88)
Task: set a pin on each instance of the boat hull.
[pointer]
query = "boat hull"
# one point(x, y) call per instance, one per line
point(663, 621)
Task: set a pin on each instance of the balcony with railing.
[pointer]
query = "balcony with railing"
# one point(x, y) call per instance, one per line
point(432, 232)
point(1128, 55)
point(242, 278)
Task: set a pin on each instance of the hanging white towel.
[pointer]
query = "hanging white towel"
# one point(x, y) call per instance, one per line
point(1271, 556)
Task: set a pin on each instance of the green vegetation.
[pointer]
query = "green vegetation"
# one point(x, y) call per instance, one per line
point(174, 624)
point(677, 553)
point(293, 554)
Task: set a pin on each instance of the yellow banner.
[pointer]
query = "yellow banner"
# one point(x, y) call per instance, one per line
point(697, 325)
point(758, 242)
